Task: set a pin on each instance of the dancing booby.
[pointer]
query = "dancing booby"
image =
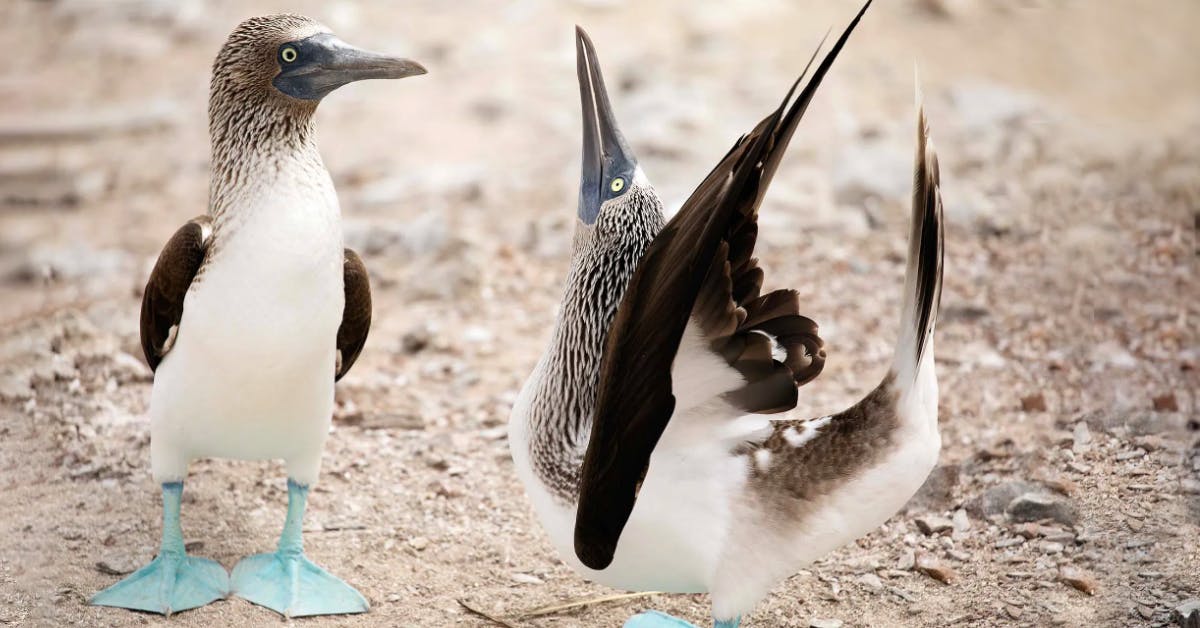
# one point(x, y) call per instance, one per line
point(253, 311)
point(641, 436)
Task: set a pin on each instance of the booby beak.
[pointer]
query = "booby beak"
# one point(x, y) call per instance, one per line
point(312, 67)
point(606, 156)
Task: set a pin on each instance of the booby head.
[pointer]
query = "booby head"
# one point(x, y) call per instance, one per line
point(295, 60)
point(611, 179)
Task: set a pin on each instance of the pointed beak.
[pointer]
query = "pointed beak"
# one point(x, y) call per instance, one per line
point(325, 63)
point(605, 153)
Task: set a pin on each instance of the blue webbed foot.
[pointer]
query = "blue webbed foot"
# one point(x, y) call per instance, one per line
point(656, 619)
point(170, 583)
point(173, 581)
point(294, 586)
point(288, 582)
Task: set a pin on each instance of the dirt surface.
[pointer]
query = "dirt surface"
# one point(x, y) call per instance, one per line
point(1069, 136)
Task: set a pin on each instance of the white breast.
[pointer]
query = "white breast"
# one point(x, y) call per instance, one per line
point(251, 373)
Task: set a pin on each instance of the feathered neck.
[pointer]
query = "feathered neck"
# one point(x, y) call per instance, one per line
point(604, 259)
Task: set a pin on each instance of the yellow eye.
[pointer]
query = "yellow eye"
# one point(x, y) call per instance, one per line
point(288, 54)
point(617, 185)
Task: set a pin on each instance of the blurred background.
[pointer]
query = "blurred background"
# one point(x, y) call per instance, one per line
point(1069, 138)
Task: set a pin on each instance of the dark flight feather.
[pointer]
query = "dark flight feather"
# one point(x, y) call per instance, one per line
point(700, 266)
point(356, 315)
point(162, 301)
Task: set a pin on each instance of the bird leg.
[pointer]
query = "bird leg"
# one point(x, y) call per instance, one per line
point(173, 581)
point(286, 581)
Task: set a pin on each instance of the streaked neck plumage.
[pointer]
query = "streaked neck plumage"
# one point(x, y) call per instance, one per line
point(563, 397)
point(258, 136)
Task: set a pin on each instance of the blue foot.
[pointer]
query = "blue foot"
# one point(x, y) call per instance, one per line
point(288, 582)
point(294, 586)
point(169, 584)
point(656, 619)
point(173, 581)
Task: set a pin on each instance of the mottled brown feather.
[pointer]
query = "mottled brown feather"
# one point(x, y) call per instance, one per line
point(356, 315)
point(162, 300)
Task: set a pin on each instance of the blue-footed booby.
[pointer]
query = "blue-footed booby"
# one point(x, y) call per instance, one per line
point(253, 311)
point(643, 437)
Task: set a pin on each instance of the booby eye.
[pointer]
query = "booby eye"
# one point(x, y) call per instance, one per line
point(288, 54)
point(617, 184)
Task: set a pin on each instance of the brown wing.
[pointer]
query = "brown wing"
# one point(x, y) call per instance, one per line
point(698, 266)
point(356, 315)
point(162, 301)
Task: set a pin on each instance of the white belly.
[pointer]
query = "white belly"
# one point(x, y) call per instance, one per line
point(252, 370)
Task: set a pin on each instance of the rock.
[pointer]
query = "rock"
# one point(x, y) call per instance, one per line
point(1082, 437)
point(930, 566)
point(1035, 506)
point(871, 581)
point(1078, 579)
point(1165, 403)
point(1187, 614)
point(418, 543)
point(907, 561)
point(1033, 403)
point(930, 525)
point(995, 500)
point(961, 522)
point(1189, 486)
point(937, 493)
point(1131, 455)
point(525, 578)
point(824, 623)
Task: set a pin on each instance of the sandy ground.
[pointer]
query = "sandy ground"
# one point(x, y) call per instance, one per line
point(1068, 134)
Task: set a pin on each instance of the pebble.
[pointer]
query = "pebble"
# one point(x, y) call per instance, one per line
point(961, 521)
point(824, 623)
point(1078, 579)
point(871, 581)
point(930, 566)
point(930, 525)
point(1131, 455)
point(1082, 437)
point(1033, 403)
point(995, 500)
point(1007, 543)
point(418, 543)
point(1189, 486)
point(1187, 614)
point(525, 578)
point(1037, 506)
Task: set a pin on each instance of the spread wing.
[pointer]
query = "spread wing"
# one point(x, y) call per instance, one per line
point(356, 316)
point(699, 268)
point(162, 301)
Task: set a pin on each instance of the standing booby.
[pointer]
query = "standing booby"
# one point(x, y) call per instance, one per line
point(253, 311)
point(640, 435)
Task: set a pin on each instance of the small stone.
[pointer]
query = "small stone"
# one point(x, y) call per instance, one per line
point(525, 578)
point(930, 566)
point(1165, 403)
point(1189, 486)
point(1007, 543)
point(1187, 614)
point(1082, 436)
point(418, 543)
point(1078, 579)
point(1037, 506)
point(961, 521)
point(1131, 455)
point(1033, 403)
point(907, 561)
point(933, 525)
point(1050, 547)
point(1012, 611)
point(871, 581)
point(816, 622)
point(996, 499)
point(393, 597)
